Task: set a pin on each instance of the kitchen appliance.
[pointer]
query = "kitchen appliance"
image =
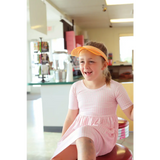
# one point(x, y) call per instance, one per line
point(61, 66)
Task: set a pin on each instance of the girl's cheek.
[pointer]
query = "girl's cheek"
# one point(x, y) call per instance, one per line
point(81, 65)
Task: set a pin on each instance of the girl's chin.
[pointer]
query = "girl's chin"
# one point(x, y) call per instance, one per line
point(88, 78)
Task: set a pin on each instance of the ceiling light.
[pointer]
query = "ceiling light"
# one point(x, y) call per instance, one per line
point(119, 2)
point(124, 20)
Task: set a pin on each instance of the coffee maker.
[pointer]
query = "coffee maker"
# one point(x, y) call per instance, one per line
point(61, 60)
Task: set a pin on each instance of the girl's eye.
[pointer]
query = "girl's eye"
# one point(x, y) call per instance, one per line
point(84, 62)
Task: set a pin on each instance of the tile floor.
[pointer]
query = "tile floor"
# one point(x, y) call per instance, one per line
point(41, 145)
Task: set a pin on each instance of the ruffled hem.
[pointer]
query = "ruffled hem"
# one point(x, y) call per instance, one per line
point(109, 123)
point(106, 127)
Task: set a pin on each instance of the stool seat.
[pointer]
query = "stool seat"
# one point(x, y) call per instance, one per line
point(119, 152)
point(122, 123)
point(123, 128)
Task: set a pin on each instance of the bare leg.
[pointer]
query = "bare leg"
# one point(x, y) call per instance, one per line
point(70, 153)
point(86, 149)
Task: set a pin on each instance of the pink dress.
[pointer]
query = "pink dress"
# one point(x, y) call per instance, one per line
point(97, 117)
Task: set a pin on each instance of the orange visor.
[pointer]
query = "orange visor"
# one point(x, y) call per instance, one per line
point(75, 52)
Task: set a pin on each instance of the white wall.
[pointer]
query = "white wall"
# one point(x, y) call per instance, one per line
point(56, 32)
point(26, 60)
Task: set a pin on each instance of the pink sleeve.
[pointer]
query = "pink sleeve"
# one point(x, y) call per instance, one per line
point(73, 103)
point(122, 97)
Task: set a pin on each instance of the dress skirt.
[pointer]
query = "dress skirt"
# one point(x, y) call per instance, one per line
point(102, 129)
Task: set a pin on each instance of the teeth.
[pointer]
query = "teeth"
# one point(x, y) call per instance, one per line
point(87, 72)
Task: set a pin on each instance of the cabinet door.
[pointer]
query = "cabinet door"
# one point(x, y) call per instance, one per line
point(70, 41)
point(79, 40)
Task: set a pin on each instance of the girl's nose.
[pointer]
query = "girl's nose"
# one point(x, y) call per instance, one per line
point(86, 65)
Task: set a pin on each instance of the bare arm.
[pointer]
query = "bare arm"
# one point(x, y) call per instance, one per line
point(71, 115)
point(129, 112)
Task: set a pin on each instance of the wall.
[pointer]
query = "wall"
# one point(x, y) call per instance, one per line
point(56, 32)
point(26, 66)
point(110, 37)
point(26, 59)
point(77, 30)
point(129, 88)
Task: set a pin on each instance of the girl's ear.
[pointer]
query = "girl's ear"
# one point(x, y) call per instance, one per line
point(104, 65)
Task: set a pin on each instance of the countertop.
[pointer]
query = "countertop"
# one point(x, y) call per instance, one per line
point(53, 82)
point(75, 78)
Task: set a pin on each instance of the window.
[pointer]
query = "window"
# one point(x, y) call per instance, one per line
point(126, 48)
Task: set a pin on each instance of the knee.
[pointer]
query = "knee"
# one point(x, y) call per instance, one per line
point(86, 148)
point(85, 141)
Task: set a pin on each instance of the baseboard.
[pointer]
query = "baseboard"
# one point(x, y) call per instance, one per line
point(52, 129)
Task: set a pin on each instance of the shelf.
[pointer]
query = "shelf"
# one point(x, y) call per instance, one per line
point(121, 65)
point(60, 52)
point(40, 76)
point(40, 52)
point(43, 63)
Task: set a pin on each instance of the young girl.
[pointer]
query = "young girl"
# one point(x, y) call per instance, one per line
point(91, 125)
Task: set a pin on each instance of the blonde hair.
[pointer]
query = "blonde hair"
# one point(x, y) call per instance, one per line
point(103, 48)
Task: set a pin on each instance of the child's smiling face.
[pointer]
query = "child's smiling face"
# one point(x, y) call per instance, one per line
point(91, 65)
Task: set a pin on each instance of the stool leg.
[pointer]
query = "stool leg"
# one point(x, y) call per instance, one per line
point(86, 149)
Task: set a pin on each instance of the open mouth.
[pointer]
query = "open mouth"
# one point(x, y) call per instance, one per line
point(87, 73)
